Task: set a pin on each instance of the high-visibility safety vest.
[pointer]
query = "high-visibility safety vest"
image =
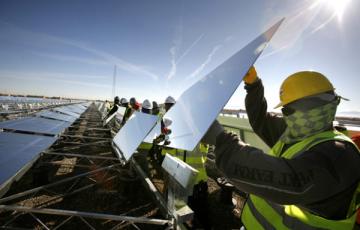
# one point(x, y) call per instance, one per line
point(145, 146)
point(195, 159)
point(259, 213)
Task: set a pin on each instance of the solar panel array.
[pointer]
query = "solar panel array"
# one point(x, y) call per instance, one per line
point(22, 140)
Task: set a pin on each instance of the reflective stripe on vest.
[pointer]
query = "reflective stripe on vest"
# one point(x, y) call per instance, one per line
point(259, 212)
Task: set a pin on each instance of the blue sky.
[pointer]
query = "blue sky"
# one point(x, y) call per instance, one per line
point(161, 47)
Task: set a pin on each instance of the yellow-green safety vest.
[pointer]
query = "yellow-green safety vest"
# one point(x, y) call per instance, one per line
point(260, 214)
point(145, 146)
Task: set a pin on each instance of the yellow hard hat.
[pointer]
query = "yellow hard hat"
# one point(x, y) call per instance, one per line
point(303, 84)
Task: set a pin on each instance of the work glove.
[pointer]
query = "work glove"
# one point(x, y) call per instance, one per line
point(251, 76)
point(214, 130)
point(159, 139)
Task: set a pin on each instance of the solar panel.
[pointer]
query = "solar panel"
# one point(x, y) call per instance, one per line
point(155, 132)
point(199, 105)
point(132, 133)
point(84, 106)
point(17, 150)
point(183, 173)
point(36, 125)
point(119, 115)
point(66, 111)
point(55, 115)
point(75, 108)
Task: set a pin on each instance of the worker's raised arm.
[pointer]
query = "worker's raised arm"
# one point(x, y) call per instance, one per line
point(267, 126)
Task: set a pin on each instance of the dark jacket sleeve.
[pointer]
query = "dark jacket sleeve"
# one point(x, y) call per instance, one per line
point(315, 175)
point(112, 111)
point(267, 126)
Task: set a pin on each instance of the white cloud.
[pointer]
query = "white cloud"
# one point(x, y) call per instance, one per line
point(177, 41)
point(82, 80)
point(10, 32)
point(200, 68)
point(68, 58)
point(189, 49)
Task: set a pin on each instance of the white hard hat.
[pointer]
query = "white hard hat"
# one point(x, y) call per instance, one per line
point(123, 100)
point(170, 100)
point(167, 122)
point(146, 104)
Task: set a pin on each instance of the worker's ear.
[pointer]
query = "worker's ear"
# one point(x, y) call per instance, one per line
point(212, 133)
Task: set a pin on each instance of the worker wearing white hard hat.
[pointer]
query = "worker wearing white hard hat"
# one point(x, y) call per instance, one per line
point(124, 102)
point(169, 102)
point(155, 108)
point(146, 107)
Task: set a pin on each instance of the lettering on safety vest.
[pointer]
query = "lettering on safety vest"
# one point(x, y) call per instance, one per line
point(285, 179)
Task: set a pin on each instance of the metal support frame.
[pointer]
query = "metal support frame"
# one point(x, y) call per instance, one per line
point(86, 137)
point(160, 200)
point(15, 196)
point(85, 214)
point(80, 155)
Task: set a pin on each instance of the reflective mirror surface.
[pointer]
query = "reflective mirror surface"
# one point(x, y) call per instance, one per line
point(133, 133)
point(36, 125)
point(156, 131)
point(55, 115)
point(19, 149)
point(119, 115)
point(66, 111)
point(199, 105)
point(183, 173)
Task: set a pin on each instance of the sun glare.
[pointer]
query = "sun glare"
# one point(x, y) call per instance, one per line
point(337, 6)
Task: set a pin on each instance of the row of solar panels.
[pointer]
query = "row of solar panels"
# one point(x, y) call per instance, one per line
point(22, 140)
point(5, 106)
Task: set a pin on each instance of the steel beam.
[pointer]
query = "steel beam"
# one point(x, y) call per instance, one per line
point(93, 215)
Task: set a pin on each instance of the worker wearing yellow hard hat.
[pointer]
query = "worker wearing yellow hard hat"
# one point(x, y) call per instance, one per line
point(310, 177)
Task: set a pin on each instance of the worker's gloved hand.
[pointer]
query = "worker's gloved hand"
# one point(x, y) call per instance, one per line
point(214, 130)
point(251, 76)
point(159, 139)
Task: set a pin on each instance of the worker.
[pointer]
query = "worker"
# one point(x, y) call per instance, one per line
point(131, 108)
point(158, 152)
point(155, 108)
point(146, 107)
point(114, 108)
point(107, 106)
point(144, 147)
point(124, 102)
point(310, 177)
point(169, 102)
point(134, 104)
